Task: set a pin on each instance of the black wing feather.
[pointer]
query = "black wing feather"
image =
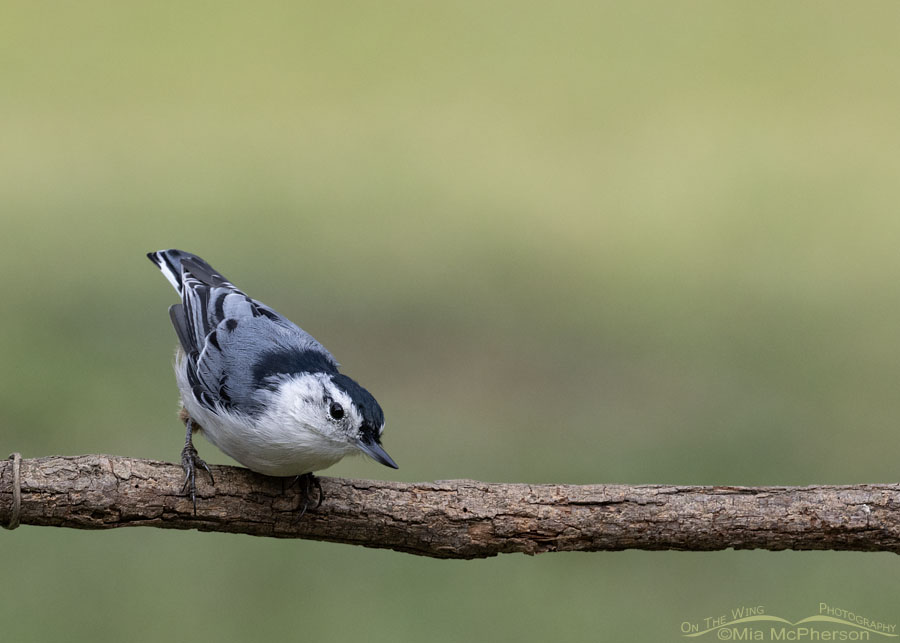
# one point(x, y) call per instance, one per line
point(179, 321)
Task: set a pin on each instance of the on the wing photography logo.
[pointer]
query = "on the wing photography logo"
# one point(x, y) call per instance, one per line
point(756, 623)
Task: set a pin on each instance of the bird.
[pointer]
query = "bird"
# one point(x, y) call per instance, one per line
point(259, 387)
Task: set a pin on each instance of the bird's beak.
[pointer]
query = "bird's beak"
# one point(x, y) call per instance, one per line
point(377, 453)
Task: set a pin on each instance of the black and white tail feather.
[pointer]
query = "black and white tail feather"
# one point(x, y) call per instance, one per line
point(262, 389)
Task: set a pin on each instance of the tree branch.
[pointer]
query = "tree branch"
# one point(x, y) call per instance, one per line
point(455, 518)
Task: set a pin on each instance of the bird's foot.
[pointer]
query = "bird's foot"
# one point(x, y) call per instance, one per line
point(190, 461)
point(306, 483)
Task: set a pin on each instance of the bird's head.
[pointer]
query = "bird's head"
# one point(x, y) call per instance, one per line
point(359, 417)
point(339, 410)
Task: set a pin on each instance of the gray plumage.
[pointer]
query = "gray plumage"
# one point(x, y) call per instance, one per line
point(227, 336)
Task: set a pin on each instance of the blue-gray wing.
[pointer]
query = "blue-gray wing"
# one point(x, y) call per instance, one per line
point(234, 344)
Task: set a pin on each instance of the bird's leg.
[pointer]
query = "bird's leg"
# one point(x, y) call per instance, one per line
point(308, 482)
point(189, 462)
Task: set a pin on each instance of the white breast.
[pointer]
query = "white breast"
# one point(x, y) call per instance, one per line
point(277, 443)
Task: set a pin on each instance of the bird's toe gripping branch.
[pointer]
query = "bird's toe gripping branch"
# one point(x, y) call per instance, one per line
point(190, 461)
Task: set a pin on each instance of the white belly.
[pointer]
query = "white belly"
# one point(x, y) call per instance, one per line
point(271, 446)
point(263, 447)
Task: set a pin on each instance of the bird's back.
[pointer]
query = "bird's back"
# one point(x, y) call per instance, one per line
point(232, 343)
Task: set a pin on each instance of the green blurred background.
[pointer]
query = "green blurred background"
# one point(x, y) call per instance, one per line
point(568, 242)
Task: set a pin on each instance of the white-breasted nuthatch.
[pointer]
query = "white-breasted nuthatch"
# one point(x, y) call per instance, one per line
point(259, 387)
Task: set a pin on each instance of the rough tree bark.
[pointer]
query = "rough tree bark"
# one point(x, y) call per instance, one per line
point(456, 518)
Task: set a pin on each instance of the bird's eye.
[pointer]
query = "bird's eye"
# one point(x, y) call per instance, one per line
point(336, 411)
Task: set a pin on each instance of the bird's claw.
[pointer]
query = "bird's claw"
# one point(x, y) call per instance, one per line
point(308, 482)
point(189, 462)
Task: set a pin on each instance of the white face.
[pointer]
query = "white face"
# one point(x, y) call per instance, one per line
point(313, 401)
point(313, 408)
